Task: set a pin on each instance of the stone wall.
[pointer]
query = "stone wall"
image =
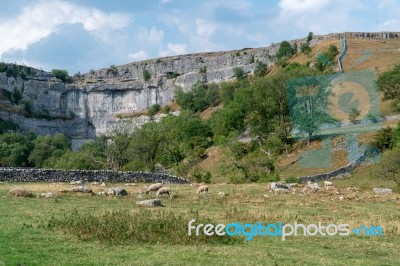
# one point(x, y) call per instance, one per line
point(53, 175)
point(335, 173)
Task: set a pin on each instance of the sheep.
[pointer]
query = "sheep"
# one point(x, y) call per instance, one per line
point(327, 184)
point(311, 187)
point(164, 190)
point(202, 189)
point(222, 194)
point(154, 187)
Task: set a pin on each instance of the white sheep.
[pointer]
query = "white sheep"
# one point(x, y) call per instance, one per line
point(154, 187)
point(327, 184)
point(164, 190)
point(222, 194)
point(202, 189)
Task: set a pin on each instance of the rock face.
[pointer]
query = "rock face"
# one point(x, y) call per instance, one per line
point(150, 203)
point(92, 104)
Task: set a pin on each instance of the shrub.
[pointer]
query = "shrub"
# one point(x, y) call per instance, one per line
point(28, 106)
point(384, 138)
point(144, 226)
point(146, 75)
point(305, 48)
point(154, 109)
point(167, 109)
point(269, 178)
point(16, 96)
point(285, 50)
point(261, 69)
point(238, 72)
point(251, 61)
point(172, 75)
point(203, 70)
point(202, 177)
point(113, 70)
point(62, 75)
point(293, 179)
point(310, 36)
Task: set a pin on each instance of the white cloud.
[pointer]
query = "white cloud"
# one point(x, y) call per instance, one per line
point(174, 49)
point(299, 6)
point(42, 18)
point(390, 22)
point(138, 56)
point(205, 28)
point(153, 35)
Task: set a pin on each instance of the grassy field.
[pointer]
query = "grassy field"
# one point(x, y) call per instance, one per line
point(25, 238)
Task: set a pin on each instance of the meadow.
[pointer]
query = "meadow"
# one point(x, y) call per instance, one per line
point(27, 236)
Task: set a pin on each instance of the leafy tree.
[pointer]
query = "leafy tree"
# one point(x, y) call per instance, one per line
point(389, 84)
point(47, 149)
point(199, 98)
point(308, 101)
point(385, 138)
point(389, 168)
point(15, 149)
point(145, 147)
point(285, 50)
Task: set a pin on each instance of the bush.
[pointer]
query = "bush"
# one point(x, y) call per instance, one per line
point(202, 177)
point(285, 50)
point(144, 226)
point(113, 70)
point(269, 178)
point(261, 69)
point(172, 75)
point(384, 138)
point(62, 75)
point(28, 106)
point(203, 70)
point(238, 72)
point(293, 179)
point(16, 96)
point(305, 48)
point(146, 75)
point(154, 109)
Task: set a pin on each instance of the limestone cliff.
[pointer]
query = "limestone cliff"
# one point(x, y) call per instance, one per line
point(90, 105)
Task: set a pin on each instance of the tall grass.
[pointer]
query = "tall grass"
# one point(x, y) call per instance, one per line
point(144, 226)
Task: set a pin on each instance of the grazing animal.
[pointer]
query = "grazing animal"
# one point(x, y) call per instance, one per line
point(154, 187)
point(327, 184)
point(202, 189)
point(164, 190)
point(222, 194)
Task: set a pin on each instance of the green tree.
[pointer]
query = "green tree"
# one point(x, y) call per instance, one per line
point(308, 101)
point(47, 149)
point(310, 36)
point(15, 149)
point(389, 84)
point(389, 168)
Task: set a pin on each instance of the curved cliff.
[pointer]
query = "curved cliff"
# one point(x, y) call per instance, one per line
point(90, 105)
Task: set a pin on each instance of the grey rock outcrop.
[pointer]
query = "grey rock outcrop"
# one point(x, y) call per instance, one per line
point(149, 203)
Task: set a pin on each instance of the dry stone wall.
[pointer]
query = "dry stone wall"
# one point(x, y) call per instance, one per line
point(54, 175)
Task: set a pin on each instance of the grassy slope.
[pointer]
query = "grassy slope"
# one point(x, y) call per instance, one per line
point(22, 241)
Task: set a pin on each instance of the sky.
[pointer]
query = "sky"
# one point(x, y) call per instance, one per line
point(80, 35)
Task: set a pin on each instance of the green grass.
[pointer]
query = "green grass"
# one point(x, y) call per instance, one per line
point(25, 238)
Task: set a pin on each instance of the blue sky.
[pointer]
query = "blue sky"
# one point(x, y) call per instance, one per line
point(80, 35)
